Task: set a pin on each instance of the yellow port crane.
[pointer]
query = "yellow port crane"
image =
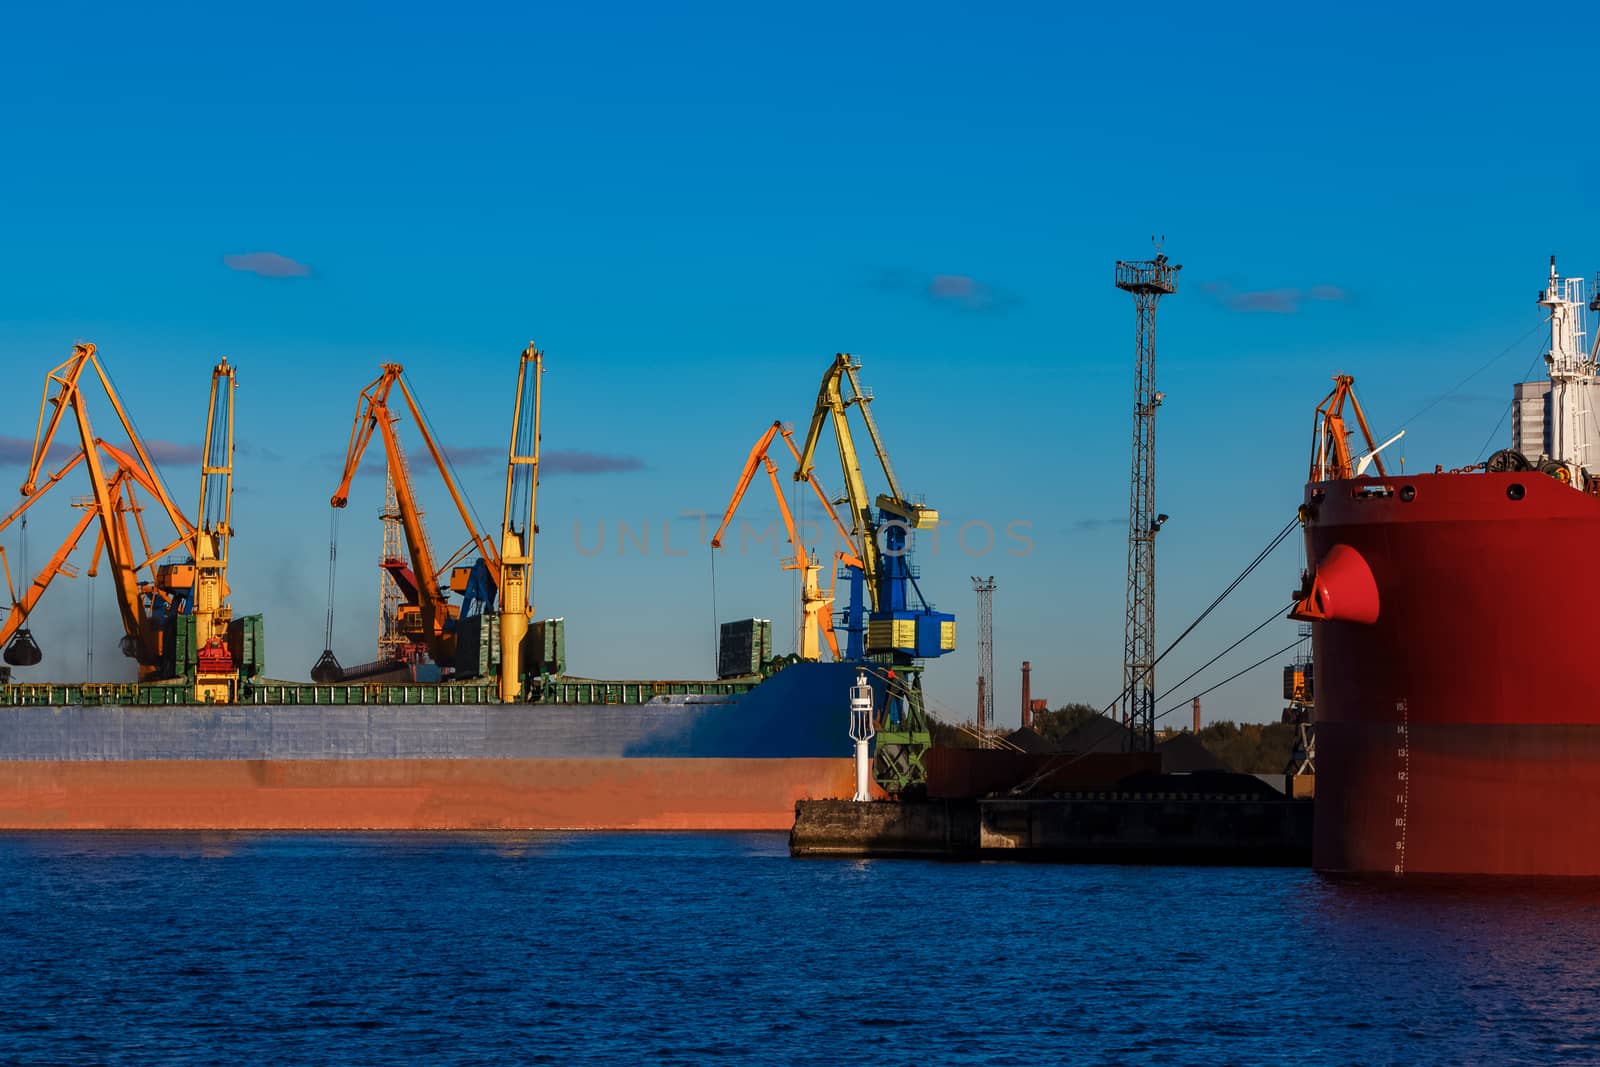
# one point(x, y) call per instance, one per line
point(216, 673)
point(517, 525)
point(146, 606)
point(816, 606)
point(428, 617)
point(902, 628)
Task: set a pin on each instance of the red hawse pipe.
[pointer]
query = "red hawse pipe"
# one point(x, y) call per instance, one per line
point(1342, 589)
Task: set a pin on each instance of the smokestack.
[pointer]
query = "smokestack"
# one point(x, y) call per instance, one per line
point(1196, 714)
point(980, 703)
point(1027, 696)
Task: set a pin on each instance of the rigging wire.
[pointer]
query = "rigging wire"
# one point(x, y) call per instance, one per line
point(1237, 674)
point(448, 462)
point(1276, 616)
point(155, 467)
point(1501, 421)
point(1062, 763)
point(1504, 352)
point(1261, 557)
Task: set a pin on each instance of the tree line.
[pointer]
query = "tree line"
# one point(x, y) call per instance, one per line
point(1249, 747)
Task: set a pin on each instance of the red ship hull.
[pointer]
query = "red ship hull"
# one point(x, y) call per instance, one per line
point(1459, 731)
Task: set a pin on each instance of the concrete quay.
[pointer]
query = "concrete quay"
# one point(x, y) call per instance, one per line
point(1130, 828)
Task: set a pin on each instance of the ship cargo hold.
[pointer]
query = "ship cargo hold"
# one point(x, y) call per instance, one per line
point(1457, 704)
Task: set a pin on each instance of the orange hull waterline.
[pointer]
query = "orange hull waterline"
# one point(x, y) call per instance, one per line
point(416, 794)
point(713, 756)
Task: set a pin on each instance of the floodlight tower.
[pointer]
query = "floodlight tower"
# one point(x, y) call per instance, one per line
point(1148, 280)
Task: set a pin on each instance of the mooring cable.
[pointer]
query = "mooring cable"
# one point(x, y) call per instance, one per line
point(1231, 677)
point(1276, 616)
point(1261, 557)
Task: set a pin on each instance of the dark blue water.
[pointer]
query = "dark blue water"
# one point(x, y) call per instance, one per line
point(381, 949)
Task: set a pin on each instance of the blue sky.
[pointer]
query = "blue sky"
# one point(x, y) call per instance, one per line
point(692, 211)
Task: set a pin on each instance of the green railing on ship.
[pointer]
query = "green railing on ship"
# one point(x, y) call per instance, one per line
point(551, 691)
point(47, 694)
point(590, 691)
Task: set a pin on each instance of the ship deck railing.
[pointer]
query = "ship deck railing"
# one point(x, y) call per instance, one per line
point(560, 690)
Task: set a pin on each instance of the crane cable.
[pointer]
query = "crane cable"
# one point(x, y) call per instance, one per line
point(716, 634)
point(327, 671)
point(88, 626)
point(333, 557)
point(24, 570)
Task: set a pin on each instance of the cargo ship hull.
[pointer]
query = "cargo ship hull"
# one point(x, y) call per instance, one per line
point(416, 794)
point(1458, 732)
point(354, 757)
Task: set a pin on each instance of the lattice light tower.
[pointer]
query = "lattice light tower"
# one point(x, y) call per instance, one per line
point(1148, 280)
point(984, 587)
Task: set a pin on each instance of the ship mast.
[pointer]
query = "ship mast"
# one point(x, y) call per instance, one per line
point(1573, 431)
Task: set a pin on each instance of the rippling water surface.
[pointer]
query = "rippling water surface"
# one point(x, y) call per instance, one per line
point(503, 948)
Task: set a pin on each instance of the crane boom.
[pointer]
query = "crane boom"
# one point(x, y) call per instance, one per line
point(833, 407)
point(1330, 450)
point(216, 671)
point(863, 399)
point(21, 609)
point(486, 549)
point(517, 524)
point(148, 608)
point(65, 376)
point(816, 607)
point(853, 557)
point(63, 394)
point(375, 414)
point(751, 464)
point(901, 626)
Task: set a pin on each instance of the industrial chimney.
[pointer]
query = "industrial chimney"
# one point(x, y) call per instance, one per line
point(1027, 697)
point(1196, 714)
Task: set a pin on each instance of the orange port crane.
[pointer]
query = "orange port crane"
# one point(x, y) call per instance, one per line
point(21, 650)
point(816, 606)
point(146, 605)
point(427, 618)
point(1330, 447)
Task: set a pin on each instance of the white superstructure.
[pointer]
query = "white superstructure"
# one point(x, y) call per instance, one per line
point(1567, 430)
